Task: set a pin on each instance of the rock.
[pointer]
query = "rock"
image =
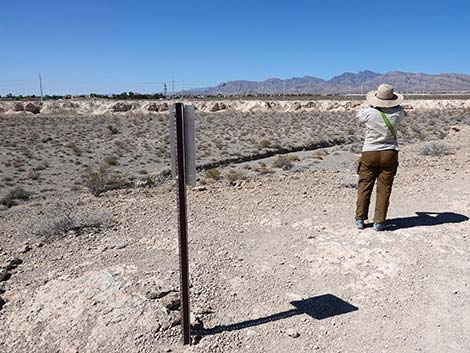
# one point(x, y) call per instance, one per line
point(32, 108)
point(171, 301)
point(163, 107)
point(153, 107)
point(4, 275)
point(174, 318)
point(292, 333)
point(119, 245)
point(195, 321)
point(214, 107)
point(121, 107)
point(18, 107)
point(13, 263)
point(25, 248)
point(159, 292)
point(2, 303)
point(199, 188)
point(310, 104)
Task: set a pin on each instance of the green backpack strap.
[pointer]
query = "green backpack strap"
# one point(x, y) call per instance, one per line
point(389, 125)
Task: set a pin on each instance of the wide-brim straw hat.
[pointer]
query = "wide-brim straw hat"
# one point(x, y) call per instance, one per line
point(384, 97)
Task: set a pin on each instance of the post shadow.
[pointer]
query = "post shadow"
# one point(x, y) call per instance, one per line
point(425, 219)
point(319, 308)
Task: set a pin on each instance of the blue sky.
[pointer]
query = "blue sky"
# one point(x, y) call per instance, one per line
point(111, 46)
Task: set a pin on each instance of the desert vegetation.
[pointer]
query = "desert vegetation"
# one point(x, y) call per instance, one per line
point(56, 153)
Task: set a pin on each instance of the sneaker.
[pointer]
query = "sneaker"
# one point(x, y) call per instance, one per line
point(378, 227)
point(359, 224)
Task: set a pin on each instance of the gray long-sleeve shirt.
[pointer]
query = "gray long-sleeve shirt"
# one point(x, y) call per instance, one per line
point(378, 136)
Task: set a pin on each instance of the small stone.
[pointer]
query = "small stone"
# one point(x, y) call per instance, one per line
point(122, 245)
point(40, 244)
point(171, 301)
point(174, 318)
point(4, 275)
point(2, 303)
point(292, 333)
point(200, 188)
point(13, 263)
point(159, 292)
point(151, 295)
point(24, 249)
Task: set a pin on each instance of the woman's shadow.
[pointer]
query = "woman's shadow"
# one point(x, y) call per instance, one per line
point(425, 219)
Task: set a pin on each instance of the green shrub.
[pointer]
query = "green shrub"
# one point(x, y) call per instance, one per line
point(265, 143)
point(293, 158)
point(213, 173)
point(113, 129)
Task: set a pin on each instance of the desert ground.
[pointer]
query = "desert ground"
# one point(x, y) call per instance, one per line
point(275, 262)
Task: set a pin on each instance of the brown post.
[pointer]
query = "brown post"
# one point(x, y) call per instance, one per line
point(182, 225)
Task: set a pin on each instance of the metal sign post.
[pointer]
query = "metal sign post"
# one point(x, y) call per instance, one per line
point(184, 170)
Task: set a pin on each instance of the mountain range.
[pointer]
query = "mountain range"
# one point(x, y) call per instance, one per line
point(347, 82)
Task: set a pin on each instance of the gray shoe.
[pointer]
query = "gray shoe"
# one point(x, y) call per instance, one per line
point(359, 224)
point(378, 227)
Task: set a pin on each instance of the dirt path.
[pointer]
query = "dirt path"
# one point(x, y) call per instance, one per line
point(273, 259)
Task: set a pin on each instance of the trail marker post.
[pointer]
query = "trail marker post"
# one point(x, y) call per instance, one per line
point(183, 169)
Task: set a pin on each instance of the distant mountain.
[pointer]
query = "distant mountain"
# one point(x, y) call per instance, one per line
point(347, 82)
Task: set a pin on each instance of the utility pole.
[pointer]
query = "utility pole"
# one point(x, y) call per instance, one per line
point(173, 86)
point(362, 88)
point(40, 87)
point(164, 89)
point(284, 89)
point(455, 79)
point(182, 91)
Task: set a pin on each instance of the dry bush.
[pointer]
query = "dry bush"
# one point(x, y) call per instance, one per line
point(262, 168)
point(75, 149)
point(293, 158)
point(233, 175)
point(282, 162)
point(117, 181)
point(112, 160)
point(34, 175)
point(436, 149)
point(13, 195)
point(65, 218)
point(95, 180)
point(265, 143)
point(99, 180)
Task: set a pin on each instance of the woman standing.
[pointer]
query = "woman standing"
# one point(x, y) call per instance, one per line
point(379, 159)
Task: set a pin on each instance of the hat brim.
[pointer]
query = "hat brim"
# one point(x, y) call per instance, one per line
point(373, 100)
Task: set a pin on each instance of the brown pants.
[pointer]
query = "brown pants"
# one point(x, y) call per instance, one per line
point(380, 165)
